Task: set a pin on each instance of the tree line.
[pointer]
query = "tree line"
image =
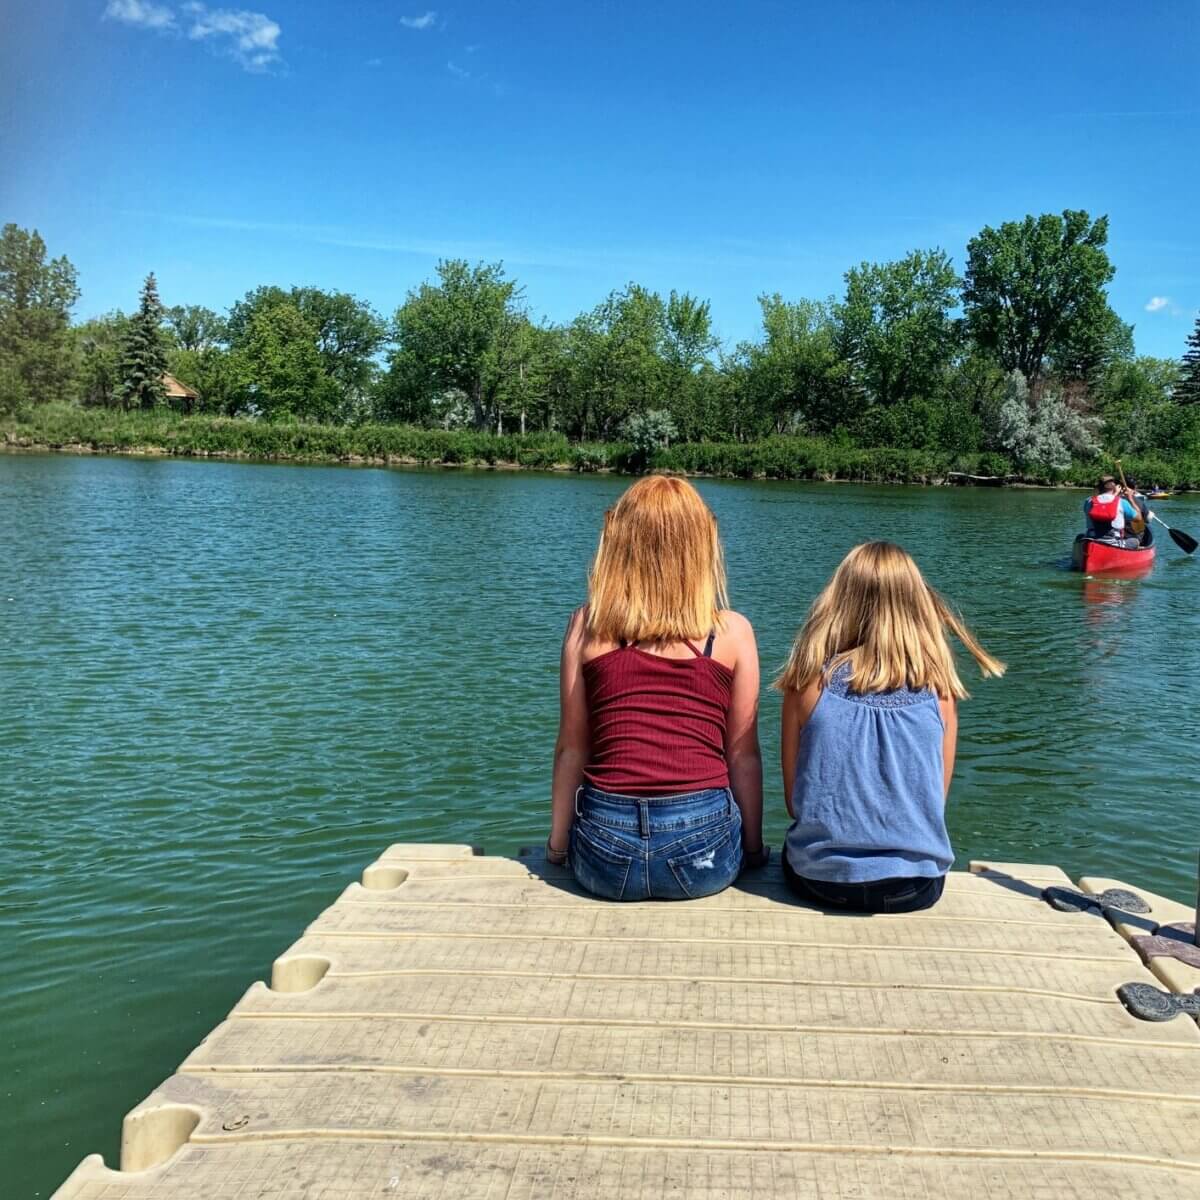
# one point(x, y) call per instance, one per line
point(1021, 357)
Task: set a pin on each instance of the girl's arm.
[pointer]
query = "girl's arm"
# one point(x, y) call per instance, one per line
point(797, 708)
point(571, 749)
point(742, 753)
point(949, 711)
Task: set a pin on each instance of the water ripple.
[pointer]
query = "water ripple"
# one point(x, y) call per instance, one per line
point(225, 688)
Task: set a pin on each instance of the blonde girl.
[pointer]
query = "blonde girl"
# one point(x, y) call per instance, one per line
point(657, 789)
point(870, 726)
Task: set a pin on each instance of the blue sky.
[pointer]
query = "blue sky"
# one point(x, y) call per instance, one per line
point(722, 149)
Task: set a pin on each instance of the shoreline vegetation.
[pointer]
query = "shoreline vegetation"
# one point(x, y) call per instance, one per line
point(1015, 369)
point(70, 429)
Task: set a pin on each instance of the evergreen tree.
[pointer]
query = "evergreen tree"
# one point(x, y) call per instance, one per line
point(144, 356)
point(1187, 390)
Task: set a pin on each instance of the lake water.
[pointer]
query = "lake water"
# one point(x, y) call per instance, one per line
point(225, 688)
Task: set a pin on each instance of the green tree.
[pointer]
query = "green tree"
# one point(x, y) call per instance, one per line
point(1135, 399)
point(540, 390)
point(456, 335)
point(278, 368)
point(99, 345)
point(617, 361)
point(896, 328)
point(688, 346)
point(688, 340)
point(193, 327)
point(212, 371)
point(530, 373)
point(1187, 390)
point(1082, 356)
point(36, 298)
point(347, 334)
point(969, 399)
point(144, 354)
point(1032, 288)
point(794, 379)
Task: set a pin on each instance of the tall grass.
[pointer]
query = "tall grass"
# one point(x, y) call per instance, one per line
point(60, 426)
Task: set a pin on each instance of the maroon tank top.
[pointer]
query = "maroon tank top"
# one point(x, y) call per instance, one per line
point(657, 725)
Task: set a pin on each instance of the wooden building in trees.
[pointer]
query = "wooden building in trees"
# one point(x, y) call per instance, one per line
point(179, 395)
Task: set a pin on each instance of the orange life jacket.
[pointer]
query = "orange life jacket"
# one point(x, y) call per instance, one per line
point(1107, 515)
point(1104, 510)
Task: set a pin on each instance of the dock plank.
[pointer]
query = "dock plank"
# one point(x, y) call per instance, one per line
point(688, 1114)
point(457, 1169)
point(1087, 937)
point(785, 1058)
point(886, 1006)
point(465, 1026)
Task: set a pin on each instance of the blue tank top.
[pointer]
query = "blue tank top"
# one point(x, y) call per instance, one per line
point(869, 790)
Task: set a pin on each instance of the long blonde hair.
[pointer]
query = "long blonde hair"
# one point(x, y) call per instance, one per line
point(658, 574)
point(878, 614)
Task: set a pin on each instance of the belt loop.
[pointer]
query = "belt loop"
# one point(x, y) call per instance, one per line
point(643, 819)
point(578, 792)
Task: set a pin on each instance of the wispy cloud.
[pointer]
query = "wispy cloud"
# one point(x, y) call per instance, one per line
point(141, 13)
point(426, 20)
point(251, 39)
point(611, 261)
point(457, 71)
point(1157, 303)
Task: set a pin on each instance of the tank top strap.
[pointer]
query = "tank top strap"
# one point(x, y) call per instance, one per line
point(708, 645)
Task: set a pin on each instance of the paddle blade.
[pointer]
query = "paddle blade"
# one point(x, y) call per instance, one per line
point(1184, 541)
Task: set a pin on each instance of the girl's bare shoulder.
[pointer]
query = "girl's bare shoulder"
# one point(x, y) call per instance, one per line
point(733, 624)
point(798, 706)
point(576, 633)
point(734, 640)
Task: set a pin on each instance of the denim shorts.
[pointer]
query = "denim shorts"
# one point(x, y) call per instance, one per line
point(655, 847)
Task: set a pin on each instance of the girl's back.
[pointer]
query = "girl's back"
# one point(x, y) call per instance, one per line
point(657, 720)
point(870, 723)
point(868, 786)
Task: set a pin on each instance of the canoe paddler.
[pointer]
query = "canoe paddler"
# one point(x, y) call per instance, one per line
point(1140, 525)
point(1110, 515)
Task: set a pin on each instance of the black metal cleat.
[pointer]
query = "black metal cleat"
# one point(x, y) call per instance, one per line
point(1125, 900)
point(1070, 900)
point(1149, 1003)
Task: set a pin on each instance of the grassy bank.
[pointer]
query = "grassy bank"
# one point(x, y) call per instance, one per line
point(106, 431)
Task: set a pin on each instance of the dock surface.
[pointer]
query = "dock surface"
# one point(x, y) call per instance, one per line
point(463, 1027)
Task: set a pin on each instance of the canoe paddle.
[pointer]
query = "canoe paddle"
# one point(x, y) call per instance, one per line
point(1184, 541)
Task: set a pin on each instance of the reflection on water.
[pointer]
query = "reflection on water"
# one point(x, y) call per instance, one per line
point(1107, 608)
point(227, 687)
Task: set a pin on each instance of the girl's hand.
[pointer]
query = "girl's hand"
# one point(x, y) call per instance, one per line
point(753, 859)
point(556, 858)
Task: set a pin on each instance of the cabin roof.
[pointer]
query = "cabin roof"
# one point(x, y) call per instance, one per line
point(177, 390)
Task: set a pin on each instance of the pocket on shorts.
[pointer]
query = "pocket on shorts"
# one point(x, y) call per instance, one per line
point(598, 865)
point(709, 862)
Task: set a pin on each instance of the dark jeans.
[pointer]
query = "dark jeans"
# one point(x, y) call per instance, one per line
point(655, 847)
point(904, 893)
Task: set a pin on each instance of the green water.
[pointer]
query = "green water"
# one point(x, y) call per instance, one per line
point(225, 688)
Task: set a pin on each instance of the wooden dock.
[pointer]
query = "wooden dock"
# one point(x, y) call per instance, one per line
point(461, 1027)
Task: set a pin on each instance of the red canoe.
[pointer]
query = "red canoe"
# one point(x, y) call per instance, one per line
point(1099, 558)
